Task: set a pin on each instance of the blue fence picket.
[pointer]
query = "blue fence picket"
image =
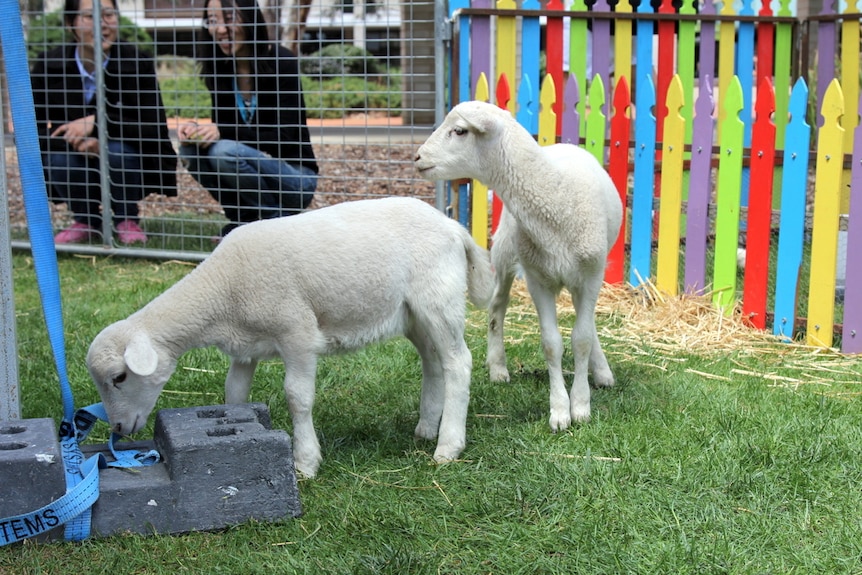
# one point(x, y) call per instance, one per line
point(644, 184)
point(792, 226)
point(531, 43)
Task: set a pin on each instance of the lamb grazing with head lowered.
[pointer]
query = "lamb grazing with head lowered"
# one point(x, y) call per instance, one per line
point(561, 216)
point(325, 281)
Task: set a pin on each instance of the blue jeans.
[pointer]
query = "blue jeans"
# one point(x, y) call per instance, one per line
point(74, 178)
point(249, 184)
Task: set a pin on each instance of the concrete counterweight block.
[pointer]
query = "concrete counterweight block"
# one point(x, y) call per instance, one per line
point(221, 465)
point(31, 476)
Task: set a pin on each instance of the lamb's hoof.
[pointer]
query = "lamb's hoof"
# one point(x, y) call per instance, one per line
point(306, 471)
point(581, 413)
point(306, 466)
point(560, 420)
point(498, 374)
point(603, 379)
point(445, 454)
point(425, 431)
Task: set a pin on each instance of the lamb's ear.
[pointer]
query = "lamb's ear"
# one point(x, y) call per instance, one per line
point(140, 355)
point(476, 122)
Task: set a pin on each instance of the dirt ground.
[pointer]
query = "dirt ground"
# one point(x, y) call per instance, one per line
point(347, 172)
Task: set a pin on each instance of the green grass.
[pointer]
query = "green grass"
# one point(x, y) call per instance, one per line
point(676, 473)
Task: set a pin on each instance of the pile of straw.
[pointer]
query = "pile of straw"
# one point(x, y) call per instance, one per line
point(654, 329)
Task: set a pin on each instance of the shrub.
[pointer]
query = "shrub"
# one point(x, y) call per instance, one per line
point(339, 96)
point(338, 60)
point(183, 92)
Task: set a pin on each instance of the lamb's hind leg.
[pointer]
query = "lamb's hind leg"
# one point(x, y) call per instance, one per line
point(433, 391)
point(446, 394)
point(237, 385)
point(586, 349)
point(300, 372)
point(503, 258)
point(545, 301)
point(601, 371)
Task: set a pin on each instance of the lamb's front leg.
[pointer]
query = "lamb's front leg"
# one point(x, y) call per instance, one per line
point(545, 301)
point(299, 384)
point(237, 385)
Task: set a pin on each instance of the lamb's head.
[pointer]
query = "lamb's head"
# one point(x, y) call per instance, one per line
point(129, 372)
point(463, 145)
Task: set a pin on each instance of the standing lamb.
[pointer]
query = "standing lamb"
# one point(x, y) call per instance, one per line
point(326, 281)
point(562, 215)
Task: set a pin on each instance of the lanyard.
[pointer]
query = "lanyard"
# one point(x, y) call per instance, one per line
point(246, 108)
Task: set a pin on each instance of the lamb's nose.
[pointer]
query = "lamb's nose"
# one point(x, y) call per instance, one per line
point(417, 157)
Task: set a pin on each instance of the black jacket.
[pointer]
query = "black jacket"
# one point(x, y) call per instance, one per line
point(278, 126)
point(134, 109)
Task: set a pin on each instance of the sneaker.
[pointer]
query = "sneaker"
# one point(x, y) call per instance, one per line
point(78, 232)
point(131, 233)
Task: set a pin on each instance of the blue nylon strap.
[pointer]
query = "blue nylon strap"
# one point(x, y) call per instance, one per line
point(41, 236)
point(69, 508)
point(82, 477)
point(86, 417)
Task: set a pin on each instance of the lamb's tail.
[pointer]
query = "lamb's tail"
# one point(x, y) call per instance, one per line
point(480, 274)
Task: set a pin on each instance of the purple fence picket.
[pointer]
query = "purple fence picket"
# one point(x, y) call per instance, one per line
point(480, 46)
point(570, 132)
point(700, 188)
point(602, 46)
point(851, 336)
point(826, 44)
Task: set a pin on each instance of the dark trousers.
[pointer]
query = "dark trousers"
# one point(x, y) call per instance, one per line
point(74, 178)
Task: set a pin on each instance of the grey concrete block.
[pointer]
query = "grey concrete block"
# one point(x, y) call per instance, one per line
point(221, 465)
point(31, 470)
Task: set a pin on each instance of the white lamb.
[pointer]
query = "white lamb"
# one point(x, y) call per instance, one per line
point(326, 281)
point(562, 215)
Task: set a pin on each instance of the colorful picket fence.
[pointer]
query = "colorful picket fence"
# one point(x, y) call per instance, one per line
point(725, 144)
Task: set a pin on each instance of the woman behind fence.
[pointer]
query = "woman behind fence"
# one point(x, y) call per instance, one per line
point(141, 159)
point(255, 157)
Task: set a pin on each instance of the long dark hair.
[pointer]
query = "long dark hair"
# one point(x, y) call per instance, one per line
point(249, 14)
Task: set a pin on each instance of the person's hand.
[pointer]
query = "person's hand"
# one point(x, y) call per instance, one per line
point(201, 134)
point(88, 146)
point(76, 132)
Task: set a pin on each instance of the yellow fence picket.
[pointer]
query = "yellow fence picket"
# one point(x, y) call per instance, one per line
point(670, 206)
point(479, 208)
point(547, 116)
point(850, 71)
point(506, 46)
point(824, 233)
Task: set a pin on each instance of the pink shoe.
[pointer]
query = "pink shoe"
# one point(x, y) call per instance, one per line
point(78, 232)
point(131, 233)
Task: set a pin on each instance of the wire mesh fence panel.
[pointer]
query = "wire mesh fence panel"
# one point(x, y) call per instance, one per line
point(166, 123)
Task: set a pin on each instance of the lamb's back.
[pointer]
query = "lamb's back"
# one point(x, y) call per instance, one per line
point(346, 260)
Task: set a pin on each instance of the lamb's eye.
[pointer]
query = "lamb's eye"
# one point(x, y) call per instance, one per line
point(459, 131)
point(118, 379)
